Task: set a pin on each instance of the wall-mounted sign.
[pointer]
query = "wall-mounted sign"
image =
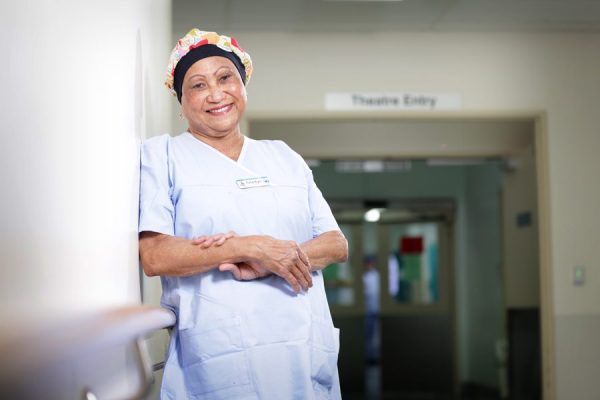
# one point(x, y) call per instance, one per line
point(392, 101)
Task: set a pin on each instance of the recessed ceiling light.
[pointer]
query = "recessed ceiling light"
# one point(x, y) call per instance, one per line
point(373, 215)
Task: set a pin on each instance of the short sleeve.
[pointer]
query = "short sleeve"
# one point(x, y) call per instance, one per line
point(321, 215)
point(157, 213)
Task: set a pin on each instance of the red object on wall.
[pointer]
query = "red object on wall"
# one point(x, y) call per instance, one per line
point(411, 245)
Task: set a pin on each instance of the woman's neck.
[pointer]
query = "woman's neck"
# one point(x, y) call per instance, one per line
point(230, 144)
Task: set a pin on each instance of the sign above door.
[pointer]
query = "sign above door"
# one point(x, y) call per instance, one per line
point(353, 101)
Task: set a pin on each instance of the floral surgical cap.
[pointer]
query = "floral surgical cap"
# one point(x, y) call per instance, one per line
point(197, 38)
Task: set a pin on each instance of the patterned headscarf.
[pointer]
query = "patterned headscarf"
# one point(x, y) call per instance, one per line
point(197, 44)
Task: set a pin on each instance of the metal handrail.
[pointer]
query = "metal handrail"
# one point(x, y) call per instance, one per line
point(27, 355)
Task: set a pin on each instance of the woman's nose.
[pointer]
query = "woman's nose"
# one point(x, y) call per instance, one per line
point(215, 94)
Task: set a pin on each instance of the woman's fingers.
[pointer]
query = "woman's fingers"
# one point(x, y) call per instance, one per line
point(205, 241)
point(227, 267)
point(199, 239)
point(301, 271)
point(233, 268)
point(222, 238)
point(291, 279)
point(243, 271)
point(296, 271)
point(300, 279)
point(306, 267)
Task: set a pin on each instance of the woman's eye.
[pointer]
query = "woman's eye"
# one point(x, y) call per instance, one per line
point(198, 86)
point(225, 77)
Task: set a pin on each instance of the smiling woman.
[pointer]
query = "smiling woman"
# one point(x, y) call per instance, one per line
point(252, 315)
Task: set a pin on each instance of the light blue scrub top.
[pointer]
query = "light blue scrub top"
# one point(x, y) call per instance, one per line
point(240, 339)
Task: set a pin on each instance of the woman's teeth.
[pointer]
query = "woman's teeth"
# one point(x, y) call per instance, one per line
point(217, 110)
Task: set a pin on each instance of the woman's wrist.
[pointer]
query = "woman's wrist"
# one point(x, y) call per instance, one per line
point(248, 248)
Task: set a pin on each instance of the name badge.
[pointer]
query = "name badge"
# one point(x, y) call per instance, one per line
point(253, 182)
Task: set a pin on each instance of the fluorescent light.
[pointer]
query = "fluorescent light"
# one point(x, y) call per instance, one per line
point(371, 166)
point(454, 162)
point(349, 166)
point(397, 166)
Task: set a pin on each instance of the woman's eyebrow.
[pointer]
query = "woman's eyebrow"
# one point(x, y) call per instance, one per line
point(223, 67)
point(197, 75)
point(215, 73)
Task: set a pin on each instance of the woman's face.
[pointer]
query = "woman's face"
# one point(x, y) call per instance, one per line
point(214, 97)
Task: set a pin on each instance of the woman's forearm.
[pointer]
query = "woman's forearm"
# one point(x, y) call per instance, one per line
point(174, 256)
point(327, 248)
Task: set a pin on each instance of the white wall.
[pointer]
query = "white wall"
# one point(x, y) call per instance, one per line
point(494, 72)
point(79, 91)
point(394, 137)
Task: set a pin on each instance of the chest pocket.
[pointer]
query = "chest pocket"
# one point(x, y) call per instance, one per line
point(281, 211)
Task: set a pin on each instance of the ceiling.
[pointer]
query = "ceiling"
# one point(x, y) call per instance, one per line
point(386, 16)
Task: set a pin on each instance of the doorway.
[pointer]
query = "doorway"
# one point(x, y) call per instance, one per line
point(393, 298)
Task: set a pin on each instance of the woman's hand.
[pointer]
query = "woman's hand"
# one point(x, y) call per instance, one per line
point(244, 271)
point(241, 271)
point(284, 258)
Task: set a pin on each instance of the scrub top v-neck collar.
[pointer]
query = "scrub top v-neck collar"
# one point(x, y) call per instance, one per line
point(238, 162)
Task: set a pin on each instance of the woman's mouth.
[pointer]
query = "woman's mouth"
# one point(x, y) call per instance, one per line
point(220, 110)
